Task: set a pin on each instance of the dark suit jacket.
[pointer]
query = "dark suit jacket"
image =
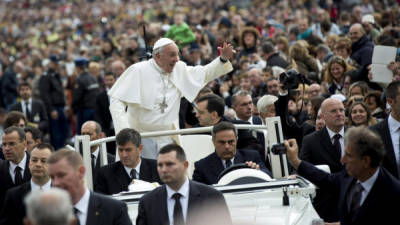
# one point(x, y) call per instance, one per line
point(374, 210)
point(207, 170)
point(38, 113)
point(5, 178)
point(202, 200)
point(389, 162)
point(110, 159)
point(103, 117)
point(14, 211)
point(113, 179)
point(317, 149)
point(104, 210)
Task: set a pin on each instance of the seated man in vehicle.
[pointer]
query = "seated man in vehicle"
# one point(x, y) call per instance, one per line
point(116, 177)
point(224, 138)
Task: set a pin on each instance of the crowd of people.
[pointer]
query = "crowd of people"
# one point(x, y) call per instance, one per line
point(65, 70)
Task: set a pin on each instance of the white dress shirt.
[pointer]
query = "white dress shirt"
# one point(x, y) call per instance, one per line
point(21, 165)
point(137, 168)
point(83, 206)
point(35, 187)
point(341, 140)
point(184, 191)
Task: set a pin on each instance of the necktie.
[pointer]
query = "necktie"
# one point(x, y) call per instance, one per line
point(93, 161)
point(178, 215)
point(355, 197)
point(336, 145)
point(18, 176)
point(228, 163)
point(27, 112)
point(76, 211)
point(133, 174)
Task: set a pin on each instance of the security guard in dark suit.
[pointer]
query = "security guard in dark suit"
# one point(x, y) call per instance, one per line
point(84, 93)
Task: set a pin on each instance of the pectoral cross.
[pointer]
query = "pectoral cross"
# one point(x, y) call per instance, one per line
point(163, 105)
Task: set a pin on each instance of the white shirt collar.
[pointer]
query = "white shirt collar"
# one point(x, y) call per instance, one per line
point(331, 133)
point(224, 161)
point(137, 168)
point(27, 102)
point(250, 120)
point(96, 152)
point(183, 190)
point(45, 186)
point(83, 205)
point(21, 164)
point(394, 125)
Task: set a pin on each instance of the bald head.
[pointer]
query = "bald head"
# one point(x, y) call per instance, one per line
point(333, 114)
point(118, 68)
point(356, 32)
point(93, 129)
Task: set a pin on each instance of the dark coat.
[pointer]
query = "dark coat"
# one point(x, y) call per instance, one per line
point(276, 60)
point(38, 114)
point(389, 162)
point(104, 210)
point(6, 180)
point(376, 208)
point(14, 211)
point(113, 179)
point(317, 149)
point(361, 53)
point(202, 199)
point(208, 169)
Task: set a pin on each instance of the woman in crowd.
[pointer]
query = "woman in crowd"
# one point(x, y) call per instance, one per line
point(334, 76)
point(359, 114)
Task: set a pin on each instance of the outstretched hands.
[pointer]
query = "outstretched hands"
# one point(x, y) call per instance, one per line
point(227, 51)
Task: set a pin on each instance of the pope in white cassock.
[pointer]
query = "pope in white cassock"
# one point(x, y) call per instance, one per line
point(151, 91)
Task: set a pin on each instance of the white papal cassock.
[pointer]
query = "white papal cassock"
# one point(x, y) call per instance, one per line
point(143, 86)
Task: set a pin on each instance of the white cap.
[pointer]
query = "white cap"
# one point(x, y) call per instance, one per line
point(368, 19)
point(265, 101)
point(162, 42)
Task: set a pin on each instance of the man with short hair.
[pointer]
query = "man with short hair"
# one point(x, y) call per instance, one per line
point(180, 200)
point(102, 111)
point(364, 188)
point(13, 210)
point(116, 177)
point(93, 129)
point(33, 109)
point(49, 207)
point(272, 57)
point(388, 130)
point(314, 90)
point(14, 169)
point(33, 137)
point(242, 103)
point(117, 68)
point(326, 146)
point(361, 51)
point(224, 138)
point(273, 86)
point(67, 172)
point(256, 82)
point(210, 110)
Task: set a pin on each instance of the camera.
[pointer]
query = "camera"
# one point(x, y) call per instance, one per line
point(291, 79)
point(278, 149)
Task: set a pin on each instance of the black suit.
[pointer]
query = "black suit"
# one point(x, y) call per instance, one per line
point(376, 208)
point(389, 162)
point(113, 179)
point(317, 149)
point(6, 180)
point(38, 114)
point(110, 159)
point(207, 170)
point(153, 206)
point(14, 210)
point(103, 117)
point(104, 210)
